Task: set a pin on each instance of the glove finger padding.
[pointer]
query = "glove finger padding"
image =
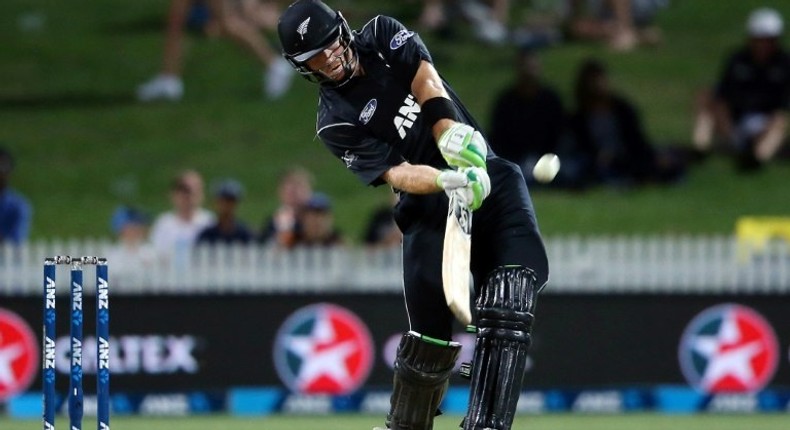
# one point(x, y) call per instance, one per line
point(479, 175)
point(449, 180)
point(471, 185)
point(479, 148)
point(463, 146)
point(476, 189)
point(479, 186)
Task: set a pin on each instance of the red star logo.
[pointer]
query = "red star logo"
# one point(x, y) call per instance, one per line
point(323, 349)
point(18, 355)
point(740, 355)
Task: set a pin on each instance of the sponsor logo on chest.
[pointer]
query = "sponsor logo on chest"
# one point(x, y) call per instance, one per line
point(406, 116)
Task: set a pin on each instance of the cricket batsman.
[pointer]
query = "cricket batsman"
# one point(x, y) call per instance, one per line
point(387, 114)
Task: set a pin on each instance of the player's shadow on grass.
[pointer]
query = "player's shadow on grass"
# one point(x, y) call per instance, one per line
point(64, 100)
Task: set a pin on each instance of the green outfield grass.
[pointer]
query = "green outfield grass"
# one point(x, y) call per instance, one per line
point(351, 422)
point(66, 110)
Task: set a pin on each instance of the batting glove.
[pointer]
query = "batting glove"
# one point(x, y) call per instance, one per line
point(471, 185)
point(463, 146)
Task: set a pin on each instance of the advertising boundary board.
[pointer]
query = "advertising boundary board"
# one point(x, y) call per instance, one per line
point(615, 343)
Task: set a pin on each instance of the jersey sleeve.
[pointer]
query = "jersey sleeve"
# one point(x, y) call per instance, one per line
point(402, 49)
point(725, 86)
point(367, 157)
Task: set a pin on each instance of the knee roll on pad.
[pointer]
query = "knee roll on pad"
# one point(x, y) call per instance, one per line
point(422, 370)
point(505, 308)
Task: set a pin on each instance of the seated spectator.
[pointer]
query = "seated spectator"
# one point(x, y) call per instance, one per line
point(528, 118)
point(239, 21)
point(433, 16)
point(228, 228)
point(15, 210)
point(132, 255)
point(488, 18)
point(381, 231)
point(174, 232)
point(293, 190)
point(622, 24)
point(748, 108)
point(318, 224)
point(609, 140)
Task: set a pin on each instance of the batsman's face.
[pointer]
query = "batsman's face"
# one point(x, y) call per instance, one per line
point(331, 60)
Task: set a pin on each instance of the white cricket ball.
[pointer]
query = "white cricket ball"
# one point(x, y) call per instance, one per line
point(546, 168)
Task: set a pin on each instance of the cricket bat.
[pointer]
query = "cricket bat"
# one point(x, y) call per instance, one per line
point(456, 258)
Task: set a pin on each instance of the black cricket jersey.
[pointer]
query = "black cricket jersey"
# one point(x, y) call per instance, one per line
point(748, 87)
point(373, 122)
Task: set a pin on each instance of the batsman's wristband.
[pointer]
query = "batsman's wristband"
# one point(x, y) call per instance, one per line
point(437, 108)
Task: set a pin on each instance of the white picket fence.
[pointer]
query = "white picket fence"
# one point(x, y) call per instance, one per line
point(660, 264)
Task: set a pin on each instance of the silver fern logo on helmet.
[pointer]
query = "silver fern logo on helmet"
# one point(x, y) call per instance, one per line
point(302, 29)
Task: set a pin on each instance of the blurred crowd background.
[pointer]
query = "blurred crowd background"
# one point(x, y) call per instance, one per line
point(168, 124)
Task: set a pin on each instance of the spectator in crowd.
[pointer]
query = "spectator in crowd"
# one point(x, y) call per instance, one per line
point(537, 109)
point(489, 18)
point(132, 255)
point(381, 230)
point(174, 232)
point(15, 210)
point(609, 137)
point(748, 107)
point(622, 24)
point(318, 224)
point(228, 228)
point(239, 21)
point(433, 16)
point(293, 190)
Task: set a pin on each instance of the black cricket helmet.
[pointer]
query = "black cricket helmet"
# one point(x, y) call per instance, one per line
point(307, 28)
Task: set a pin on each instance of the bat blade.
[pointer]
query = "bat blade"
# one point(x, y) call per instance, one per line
point(456, 258)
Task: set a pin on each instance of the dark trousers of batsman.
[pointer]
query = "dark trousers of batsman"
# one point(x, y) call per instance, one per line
point(509, 268)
